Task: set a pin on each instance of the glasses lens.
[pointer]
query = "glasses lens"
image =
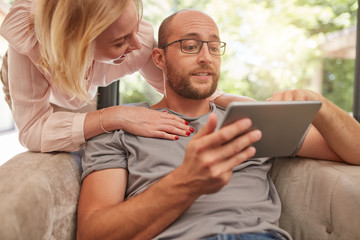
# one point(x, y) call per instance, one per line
point(190, 46)
point(193, 46)
point(216, 48)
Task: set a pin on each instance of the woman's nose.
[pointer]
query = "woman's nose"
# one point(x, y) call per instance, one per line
point(134, 43)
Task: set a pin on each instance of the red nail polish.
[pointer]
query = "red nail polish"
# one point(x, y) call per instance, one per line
point(191, 129)
point(186, 123)
point(176, 137)
point(188, 133)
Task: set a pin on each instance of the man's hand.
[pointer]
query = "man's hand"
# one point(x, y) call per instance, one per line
point(296, 95)
point(336, 133)
point(304, 95)
point(211, 156)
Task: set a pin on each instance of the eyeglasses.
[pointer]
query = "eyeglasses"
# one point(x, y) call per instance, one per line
point(193, 46)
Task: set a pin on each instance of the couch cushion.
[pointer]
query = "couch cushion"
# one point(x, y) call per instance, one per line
point(39, 193)
point(320, 199)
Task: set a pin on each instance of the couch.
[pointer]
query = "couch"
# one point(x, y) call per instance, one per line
point(39, 192)
point(320, 199)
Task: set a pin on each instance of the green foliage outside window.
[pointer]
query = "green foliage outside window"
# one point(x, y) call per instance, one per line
point(271, 45)
point(338, 82)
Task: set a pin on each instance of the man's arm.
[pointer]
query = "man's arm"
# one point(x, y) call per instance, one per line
point(103, 213)
point(335, 135)
point(224, 99)
point(209, 159)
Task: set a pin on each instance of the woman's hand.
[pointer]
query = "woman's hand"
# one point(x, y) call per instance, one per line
point(145, 122)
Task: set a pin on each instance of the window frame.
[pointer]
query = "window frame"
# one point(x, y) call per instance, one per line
point(356, 105)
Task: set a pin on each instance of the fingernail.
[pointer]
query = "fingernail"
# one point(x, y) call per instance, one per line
point(257, 134)
point(252, 150)
point(186, 123)
point(164, 111)
point(247, 122)
point(188, 133)
point(191, 129)
point(176, 137)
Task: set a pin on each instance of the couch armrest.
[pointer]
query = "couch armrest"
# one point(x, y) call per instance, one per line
point(39, 193)
point(320, 199)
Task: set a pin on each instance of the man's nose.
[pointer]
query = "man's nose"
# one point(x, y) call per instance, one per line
point(204, 55)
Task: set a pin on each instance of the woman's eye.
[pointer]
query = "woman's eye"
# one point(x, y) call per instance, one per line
point(120, 44)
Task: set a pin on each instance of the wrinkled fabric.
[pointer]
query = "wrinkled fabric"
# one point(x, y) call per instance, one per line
point(32, 92)
point(248, 203)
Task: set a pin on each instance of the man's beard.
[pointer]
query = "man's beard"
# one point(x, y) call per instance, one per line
point(181, 84)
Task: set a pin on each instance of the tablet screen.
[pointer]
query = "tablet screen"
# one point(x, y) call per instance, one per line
point(283, 124)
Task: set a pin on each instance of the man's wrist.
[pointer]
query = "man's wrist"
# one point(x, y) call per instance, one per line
point(182, 183)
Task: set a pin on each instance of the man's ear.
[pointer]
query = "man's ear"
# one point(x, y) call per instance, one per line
point(158, 57)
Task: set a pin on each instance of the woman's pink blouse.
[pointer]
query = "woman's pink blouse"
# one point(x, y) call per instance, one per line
point(32, 92)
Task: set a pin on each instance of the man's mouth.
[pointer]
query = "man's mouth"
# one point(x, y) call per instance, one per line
point(202, 74)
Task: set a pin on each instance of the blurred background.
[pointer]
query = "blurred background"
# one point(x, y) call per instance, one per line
point(9, 144)
point(272, 45)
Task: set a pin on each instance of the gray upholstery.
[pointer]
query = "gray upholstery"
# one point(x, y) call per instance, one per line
point(320, 199)
point(39, 192)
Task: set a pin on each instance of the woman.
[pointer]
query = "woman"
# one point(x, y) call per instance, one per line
point(60, 52)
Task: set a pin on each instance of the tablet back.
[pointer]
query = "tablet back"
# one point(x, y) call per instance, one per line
point(283, 124)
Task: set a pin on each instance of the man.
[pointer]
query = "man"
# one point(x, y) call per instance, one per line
point(142, 188)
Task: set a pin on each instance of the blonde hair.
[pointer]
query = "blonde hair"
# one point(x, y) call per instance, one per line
point(66, 30)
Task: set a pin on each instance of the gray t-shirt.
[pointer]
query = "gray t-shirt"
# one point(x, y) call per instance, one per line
point(248, 203)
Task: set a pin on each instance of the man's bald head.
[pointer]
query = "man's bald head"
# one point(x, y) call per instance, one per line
point(166, 28)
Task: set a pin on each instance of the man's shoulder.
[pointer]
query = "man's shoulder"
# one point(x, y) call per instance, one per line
point(138, 104)
point(219, 108)
point(219, 111)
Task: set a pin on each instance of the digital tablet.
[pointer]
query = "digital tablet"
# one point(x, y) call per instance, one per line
point(283, 124)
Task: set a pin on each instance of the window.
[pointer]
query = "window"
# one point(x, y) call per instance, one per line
point(272, 46)
point(9, 142)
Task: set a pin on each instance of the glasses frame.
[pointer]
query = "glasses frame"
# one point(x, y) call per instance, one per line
point(222, 45)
